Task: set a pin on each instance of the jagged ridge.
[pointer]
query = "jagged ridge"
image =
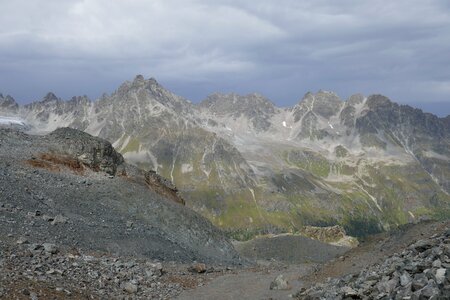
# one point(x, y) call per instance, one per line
point(245, 163)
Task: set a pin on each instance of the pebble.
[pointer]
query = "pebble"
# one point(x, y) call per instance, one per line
point(107, 277)
point(131, 288)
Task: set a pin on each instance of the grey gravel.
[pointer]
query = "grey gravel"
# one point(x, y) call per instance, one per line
point(415, 273)
point(46, 201)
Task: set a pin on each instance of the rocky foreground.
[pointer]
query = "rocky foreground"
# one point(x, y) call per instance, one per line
point(421, 271)
point(76, 221)
point(47, 271)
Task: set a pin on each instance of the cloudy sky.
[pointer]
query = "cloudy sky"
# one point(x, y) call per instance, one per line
point(281, 49)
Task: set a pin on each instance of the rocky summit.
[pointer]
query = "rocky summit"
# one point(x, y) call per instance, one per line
point(366, 163)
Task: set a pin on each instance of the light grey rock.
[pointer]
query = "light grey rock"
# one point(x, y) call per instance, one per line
point(59, 219)
point(280, 283)
point(50, 248)
point(130, 288)
point(22, 240)
point(349, 292)
point(437, 263)
point(441, 275)
point(405, 279)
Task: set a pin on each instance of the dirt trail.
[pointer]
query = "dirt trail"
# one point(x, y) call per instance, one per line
point(250, 285)
point(247, 284)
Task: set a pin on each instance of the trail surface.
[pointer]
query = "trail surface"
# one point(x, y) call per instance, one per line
point(254, 284)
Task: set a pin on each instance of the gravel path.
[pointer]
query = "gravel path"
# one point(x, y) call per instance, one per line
point(250, 285)
point(255, 284)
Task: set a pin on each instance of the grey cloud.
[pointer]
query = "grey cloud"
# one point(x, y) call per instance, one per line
point(279, 48)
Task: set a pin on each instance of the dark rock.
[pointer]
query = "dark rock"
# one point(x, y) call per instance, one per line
point(430, 290)
point(94, 152)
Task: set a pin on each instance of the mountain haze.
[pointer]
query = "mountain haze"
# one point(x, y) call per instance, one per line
point(366, 163)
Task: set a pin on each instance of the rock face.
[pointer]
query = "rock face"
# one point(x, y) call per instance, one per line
point(96, 153)
point(8, 104)
point(255, 108)
point(59, 188)
point(419, 272)
point(366, 164)
point(163, 186)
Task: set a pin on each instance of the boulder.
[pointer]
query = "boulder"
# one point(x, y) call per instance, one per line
point(96, 153)
point(280, 284)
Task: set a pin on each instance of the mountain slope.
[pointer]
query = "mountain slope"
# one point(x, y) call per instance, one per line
point(75, 190)
point(366, 163)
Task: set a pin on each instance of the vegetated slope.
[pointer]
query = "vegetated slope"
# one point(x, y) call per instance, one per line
point(75, 190)
point(366, 163)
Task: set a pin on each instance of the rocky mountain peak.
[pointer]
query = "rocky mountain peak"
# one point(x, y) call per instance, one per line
point(355, 99)
point(7, 99)
point(323, 103)
point(50, 97)
point(375, 101)
point(79, 100)
point(139, 78)
point(8, 103)
point(256, 108)
point(140, 82)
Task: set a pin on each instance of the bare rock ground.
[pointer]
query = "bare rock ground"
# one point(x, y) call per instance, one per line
point(72, 189)
point(255, 284)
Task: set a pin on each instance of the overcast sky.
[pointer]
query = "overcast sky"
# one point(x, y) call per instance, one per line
point(281, 49)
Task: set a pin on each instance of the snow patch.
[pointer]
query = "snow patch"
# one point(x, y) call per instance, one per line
point(186, 168)
point(284, 124)
point(9, 121)
point(432, 154)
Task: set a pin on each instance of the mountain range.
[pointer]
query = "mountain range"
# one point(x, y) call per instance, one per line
point(366, 163)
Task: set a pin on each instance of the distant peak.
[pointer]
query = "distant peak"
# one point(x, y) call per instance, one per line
point(140, 81)
point(139, 77)
point(9, 98)
point(153, 80)
point(327, 92)
point(374, 101)
point(321, 95)
point(355, 99)
point(50, 97)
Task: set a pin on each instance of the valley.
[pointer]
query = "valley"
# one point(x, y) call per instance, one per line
point(252, 168)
